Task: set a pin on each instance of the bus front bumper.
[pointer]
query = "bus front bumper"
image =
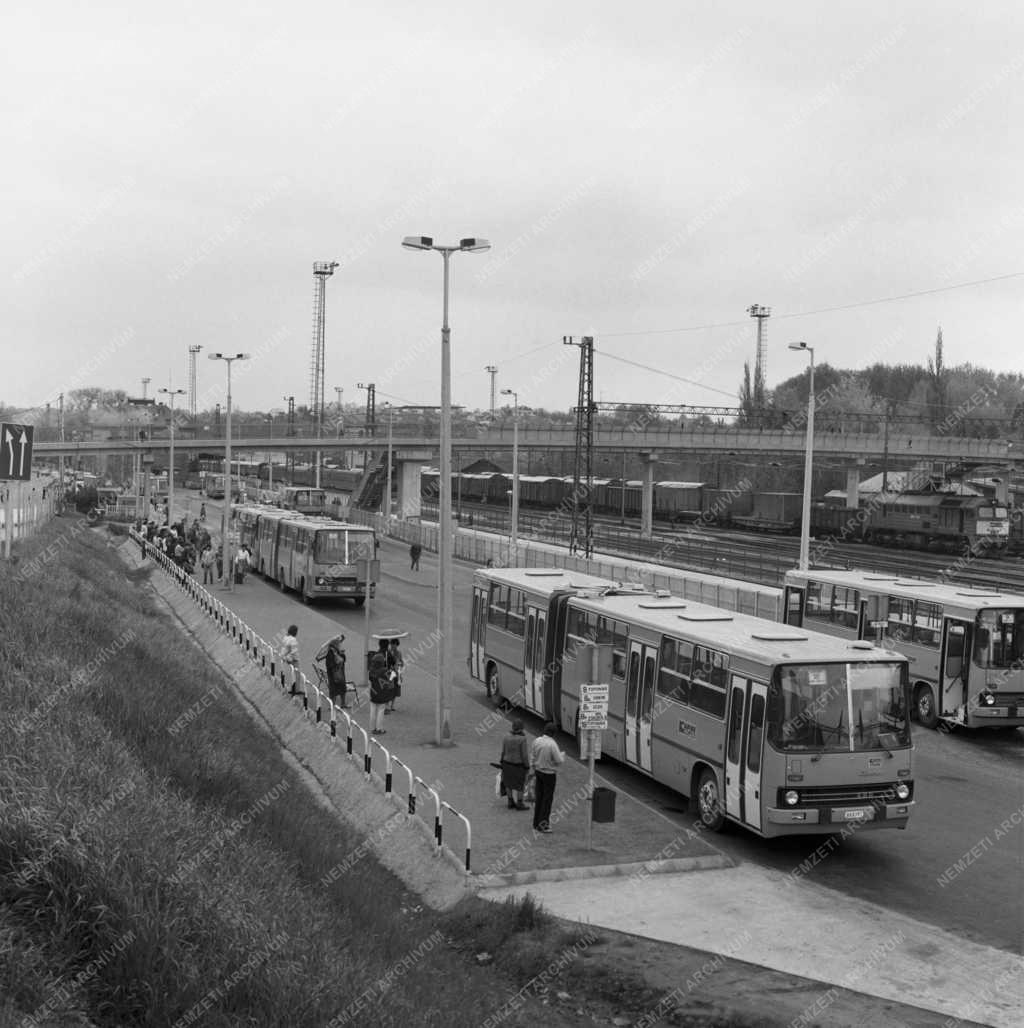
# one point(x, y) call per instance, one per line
point(889, 815)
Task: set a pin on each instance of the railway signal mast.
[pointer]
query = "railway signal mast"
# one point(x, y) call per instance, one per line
point(322, 271)
point(581, 537)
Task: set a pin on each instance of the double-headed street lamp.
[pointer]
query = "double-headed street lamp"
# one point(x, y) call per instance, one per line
point(805, 520)
point(444, 535)
point(172, 393)
point(226, 519)
point(514, 534)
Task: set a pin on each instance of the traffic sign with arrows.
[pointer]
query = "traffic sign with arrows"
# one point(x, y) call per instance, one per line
point(15, 452)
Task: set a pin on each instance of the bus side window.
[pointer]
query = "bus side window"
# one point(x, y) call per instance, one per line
point(955, 651)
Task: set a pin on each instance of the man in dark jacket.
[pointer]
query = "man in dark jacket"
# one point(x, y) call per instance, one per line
point(380, 692)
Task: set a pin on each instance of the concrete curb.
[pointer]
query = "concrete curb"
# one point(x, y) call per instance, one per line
point(639, 868)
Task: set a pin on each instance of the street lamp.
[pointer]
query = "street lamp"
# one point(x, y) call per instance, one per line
point(226, 518)
point(172, 393)
point(514, 540)
point(391, 423)
point(805, 521)
point(444, 545)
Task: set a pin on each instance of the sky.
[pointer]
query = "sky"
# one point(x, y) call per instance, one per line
point(645, 173)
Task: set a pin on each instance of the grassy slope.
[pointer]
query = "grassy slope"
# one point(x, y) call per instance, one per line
point(130, 890)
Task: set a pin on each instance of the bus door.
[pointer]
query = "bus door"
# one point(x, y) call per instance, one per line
point(954, 665)
point(533, 660)
point(794, 605)
point(643, 662)
point(743, 752)
point(476, 634)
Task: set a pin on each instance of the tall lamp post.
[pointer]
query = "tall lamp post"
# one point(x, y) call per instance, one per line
point(805, 520)
point(514, 533)
point(444, 535)
point(171, 393)
point(226, 518)
point(387, 487)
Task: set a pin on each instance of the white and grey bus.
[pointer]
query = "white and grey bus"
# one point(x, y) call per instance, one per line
point(780, 729)
point(965, 644)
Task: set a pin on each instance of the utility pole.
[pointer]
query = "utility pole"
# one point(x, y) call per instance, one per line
point(60, 436)
point(581, 537)
point(290, 400)
point(492, 370)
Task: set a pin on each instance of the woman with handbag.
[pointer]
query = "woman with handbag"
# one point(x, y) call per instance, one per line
point(515, 762)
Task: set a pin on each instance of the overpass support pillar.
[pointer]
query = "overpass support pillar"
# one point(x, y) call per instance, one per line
point(410, 465)
point(852, 487)
point(647, 495)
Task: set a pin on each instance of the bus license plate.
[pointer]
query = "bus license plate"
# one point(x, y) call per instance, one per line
point(853, 814)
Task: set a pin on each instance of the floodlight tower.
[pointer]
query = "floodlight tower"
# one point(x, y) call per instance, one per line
point(192, 352)
point(492, 370)
point(762, 314)
point(322, 271)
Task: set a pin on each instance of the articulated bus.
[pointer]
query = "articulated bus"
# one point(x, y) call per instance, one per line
point(316, 557)
point(509, 644)
point(966, 645)
point(782, 730)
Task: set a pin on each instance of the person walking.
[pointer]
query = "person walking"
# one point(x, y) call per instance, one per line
point(380, 692)
point(219, 558)
point(515, 761)
point(202, 512)
point(415, 551)
point(545, 758)
point(290, 648)
point(396, 666)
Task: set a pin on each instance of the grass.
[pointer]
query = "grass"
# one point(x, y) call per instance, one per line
point(161, 878)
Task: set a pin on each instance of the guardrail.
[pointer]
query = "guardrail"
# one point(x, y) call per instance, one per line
point(295, 682)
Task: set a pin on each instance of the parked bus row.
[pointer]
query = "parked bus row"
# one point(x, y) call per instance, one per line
point(775, 727)
point(316, 557)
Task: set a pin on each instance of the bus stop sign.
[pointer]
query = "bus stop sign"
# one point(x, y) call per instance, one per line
point(15, 452)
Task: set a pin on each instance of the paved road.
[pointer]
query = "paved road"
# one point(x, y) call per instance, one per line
point(970, 796)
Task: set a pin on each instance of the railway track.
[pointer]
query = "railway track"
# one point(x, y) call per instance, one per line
point(754, 557)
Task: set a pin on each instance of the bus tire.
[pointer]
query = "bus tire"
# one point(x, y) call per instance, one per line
point(709, 801)
point(924, 704)
point(492, 682)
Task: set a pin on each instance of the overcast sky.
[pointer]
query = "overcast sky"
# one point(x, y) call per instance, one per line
point(172, 171)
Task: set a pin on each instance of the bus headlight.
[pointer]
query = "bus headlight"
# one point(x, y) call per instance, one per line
point(792, 797)
point(902, 791)
point(987, 699)
point(321, 581)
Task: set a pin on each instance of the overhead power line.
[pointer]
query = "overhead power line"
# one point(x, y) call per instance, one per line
point(820, 310)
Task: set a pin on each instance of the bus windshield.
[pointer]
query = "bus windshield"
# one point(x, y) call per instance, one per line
point(838, 707)
point(341, 546)
point(999, 639)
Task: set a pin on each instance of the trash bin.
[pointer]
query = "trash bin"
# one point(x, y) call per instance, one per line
point(603, 808)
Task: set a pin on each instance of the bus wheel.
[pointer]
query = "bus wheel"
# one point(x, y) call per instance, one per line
point(924, 704)
point(492, 683)
point(709, 804)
